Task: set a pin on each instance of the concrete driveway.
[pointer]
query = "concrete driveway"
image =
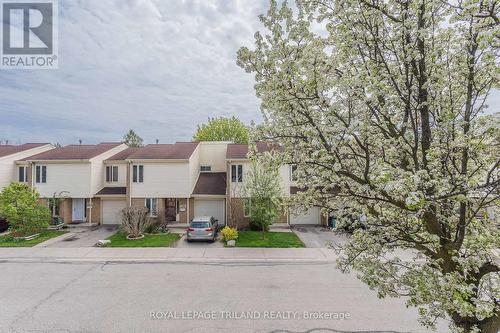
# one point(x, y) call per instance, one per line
point(81, 237)
point(318, 236)
point(183, 243)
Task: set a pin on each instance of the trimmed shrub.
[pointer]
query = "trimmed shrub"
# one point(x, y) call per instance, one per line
point(135, 221)
point(229, 233)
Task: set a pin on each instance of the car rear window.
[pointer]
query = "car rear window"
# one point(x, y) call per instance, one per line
point(199, 225)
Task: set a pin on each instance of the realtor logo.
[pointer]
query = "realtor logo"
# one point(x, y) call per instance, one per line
point(29, 34)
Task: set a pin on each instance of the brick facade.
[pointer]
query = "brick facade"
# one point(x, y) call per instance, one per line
point(237, 218)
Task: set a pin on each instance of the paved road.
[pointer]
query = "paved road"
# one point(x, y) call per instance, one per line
point(120, 297)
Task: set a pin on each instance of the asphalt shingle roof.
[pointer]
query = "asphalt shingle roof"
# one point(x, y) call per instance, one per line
point(176, 151)
point(74, 152)
point(239, 151)
point(213, 183)
point(6, 150)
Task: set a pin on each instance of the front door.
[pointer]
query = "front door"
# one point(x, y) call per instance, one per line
point(170, 211)
point(78, 210)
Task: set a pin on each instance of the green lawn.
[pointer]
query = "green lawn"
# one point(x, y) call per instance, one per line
point(271, 239)
point(8, 241)
point(150, 240)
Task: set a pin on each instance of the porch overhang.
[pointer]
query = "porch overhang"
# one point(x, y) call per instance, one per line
point(108, 192)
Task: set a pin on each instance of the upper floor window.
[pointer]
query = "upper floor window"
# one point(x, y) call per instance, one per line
point(112, 173)
point(23, 174)
point(236, 173)
point(293, 173)
point(152, 206)
point(41, 174)
point(205, 168)
point(138, 173)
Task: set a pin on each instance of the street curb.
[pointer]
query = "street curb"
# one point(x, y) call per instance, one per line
point(166, 261)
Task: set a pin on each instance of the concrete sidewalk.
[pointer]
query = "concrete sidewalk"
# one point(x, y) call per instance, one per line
point(166, 255)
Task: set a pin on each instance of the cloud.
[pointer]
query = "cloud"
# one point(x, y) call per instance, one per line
point(160, 67)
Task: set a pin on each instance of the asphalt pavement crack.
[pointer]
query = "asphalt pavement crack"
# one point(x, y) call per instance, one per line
point(30, 312)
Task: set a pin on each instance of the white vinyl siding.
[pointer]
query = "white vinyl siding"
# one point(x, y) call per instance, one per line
point(72, 178)
point(8, 168)
point(164, 180)
point(214, 155)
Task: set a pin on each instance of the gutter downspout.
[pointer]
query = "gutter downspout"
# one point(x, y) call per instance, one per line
point(90, 211)
point(129, 184)
point(32, 165)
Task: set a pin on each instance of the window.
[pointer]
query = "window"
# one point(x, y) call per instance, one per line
point(205, 168)
point(138, 173)
point(41, 174)
point(293, 173)
point(23, 174)
point(112, 173)
point(151, 205)
point(246, 208)
point(199, 225)
point(236, 173)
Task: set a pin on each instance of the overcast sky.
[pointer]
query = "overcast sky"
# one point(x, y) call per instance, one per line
point(160, 67)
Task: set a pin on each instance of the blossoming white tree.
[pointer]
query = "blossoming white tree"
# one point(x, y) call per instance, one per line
point(385, 99)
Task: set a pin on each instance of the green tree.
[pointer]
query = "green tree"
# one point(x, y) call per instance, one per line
point(19, 205)
point(387, 102)
point(132, 139)
point(262, 189)
point(222, 129)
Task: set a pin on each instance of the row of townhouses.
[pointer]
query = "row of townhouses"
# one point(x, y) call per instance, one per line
point(174, 181)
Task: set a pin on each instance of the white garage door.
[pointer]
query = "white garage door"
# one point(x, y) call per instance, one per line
point(213, 208)
point(312, 216)
point(111, 211)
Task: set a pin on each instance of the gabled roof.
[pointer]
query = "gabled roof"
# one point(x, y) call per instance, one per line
point(239, 151)
point(6, 150)
point(176, 151)
point(211, 183)
point(74, 152)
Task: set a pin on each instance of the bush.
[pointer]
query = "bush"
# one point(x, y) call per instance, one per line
point(229, 233)
point(156, 228)
point(4, 225)
point(135, 221)
point(258, 225)
point(19, 205)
